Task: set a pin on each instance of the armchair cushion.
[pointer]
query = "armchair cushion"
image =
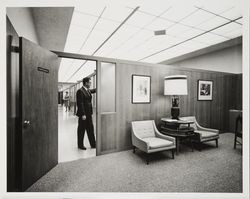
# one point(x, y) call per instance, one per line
point(144, 129)
point(154, 142)
point(206, 134)
point(190, 118)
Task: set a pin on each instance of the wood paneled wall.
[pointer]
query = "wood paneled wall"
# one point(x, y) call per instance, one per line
point(227, 94)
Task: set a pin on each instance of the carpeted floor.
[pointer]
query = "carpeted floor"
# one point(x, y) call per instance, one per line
point(211, 170)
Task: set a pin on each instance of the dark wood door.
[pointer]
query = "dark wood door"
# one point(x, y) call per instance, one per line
point(39, 116)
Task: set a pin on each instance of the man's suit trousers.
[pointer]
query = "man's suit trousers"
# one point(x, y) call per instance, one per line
point(85, 125)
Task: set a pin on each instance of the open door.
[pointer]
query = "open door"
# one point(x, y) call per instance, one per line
point(39, 117)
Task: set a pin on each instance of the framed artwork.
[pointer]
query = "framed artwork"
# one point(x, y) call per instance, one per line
point(205, 90)
point(141, 89)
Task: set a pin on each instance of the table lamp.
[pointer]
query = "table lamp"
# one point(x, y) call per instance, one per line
point(175, 85)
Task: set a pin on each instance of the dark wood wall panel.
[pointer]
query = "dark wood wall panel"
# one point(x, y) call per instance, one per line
point(213, 114)
point(108, 133)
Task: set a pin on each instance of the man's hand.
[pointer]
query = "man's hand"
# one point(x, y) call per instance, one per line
point(84, 117)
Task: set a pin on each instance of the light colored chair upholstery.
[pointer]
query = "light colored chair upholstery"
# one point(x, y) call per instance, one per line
point(147, 138)
point(205, 134)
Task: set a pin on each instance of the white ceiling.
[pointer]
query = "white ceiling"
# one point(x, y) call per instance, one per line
point(188, 28)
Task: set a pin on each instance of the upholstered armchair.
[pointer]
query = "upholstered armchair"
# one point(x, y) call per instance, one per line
point(203, 134)
point(148, 139)
point(238, 131)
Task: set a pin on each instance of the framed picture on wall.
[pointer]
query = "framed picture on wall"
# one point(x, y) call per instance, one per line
point(205, 90)
point(141, 89)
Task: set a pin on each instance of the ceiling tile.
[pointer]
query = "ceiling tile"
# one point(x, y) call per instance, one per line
point(75, 38)
point(216, 8)
point(209, 38)
point(84, 20)
point(227, 28)
point(234, 33)
point(208, 25)
point(233, 13)
point(116, 13)
point(140, 19)
point(240, 21)
point(175, 51)
point(159, 24)
point(190, 33)
point(88, 68)
point(197, 18)
point(177, 13)
point(177, 30)
point(153, 9)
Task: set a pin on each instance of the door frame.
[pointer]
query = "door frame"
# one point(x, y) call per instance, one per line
point(83, 57)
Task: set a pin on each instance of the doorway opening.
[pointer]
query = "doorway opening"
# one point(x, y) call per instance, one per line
point(71, 73)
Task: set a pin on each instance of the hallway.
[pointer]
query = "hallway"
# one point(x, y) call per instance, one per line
point(67, 138)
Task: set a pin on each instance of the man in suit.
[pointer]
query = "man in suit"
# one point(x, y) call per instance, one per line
point(84, 113)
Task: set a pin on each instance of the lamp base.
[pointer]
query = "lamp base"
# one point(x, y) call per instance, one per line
point(175, 112)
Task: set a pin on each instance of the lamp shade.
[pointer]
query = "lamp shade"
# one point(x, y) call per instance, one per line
point(175, 85)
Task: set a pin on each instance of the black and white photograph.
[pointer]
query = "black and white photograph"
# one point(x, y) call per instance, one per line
point(135, 98)
point(141, 89)
point(205, 90)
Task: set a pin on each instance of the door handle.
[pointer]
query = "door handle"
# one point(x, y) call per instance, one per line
point(26, 123)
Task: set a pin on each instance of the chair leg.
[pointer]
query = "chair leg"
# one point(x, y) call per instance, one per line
point(216, 141)
point(235, 141)
point(172, 153)
point(199, 146)
point(133, 149)
point(147, 158)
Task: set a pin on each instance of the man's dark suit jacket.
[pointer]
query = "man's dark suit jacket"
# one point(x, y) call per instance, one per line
point(84, 102)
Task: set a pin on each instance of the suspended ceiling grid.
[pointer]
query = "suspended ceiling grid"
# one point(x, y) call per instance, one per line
point(101, 30)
